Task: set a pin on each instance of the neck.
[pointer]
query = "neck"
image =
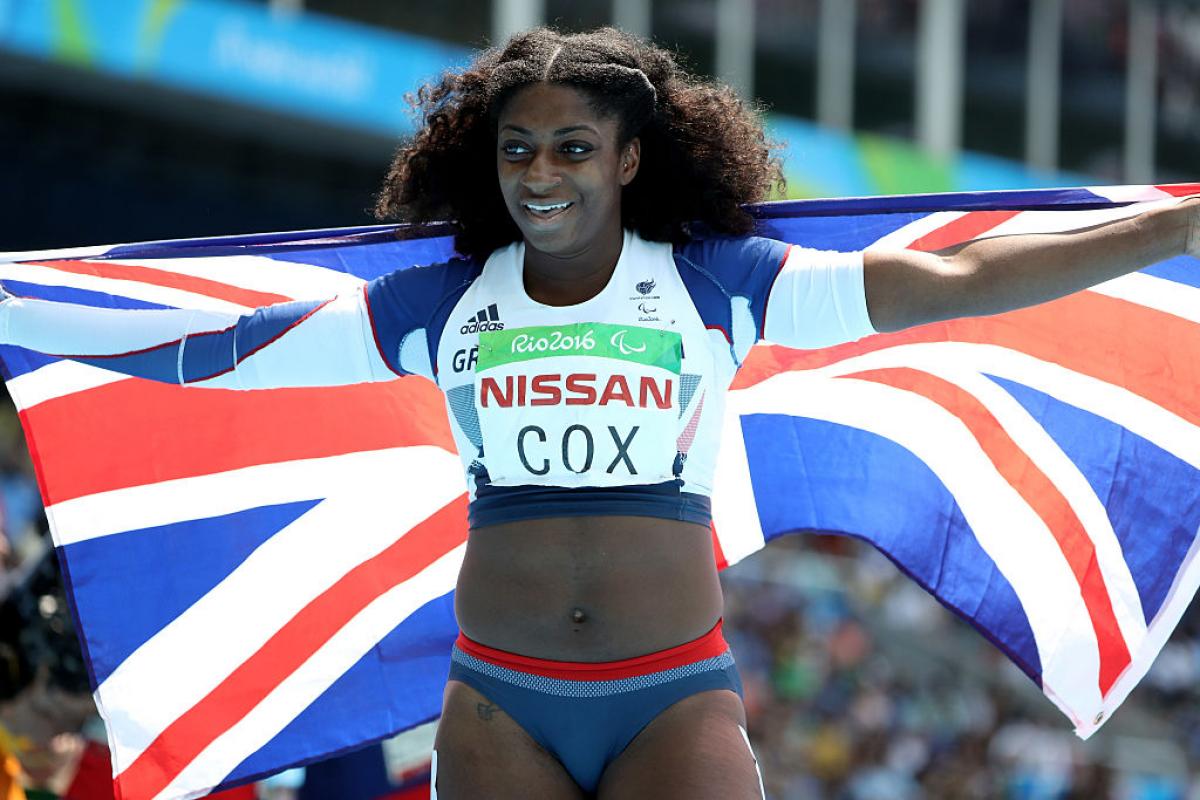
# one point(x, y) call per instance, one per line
point(564, 280)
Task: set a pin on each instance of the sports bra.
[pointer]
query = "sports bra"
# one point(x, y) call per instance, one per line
point(610, 406)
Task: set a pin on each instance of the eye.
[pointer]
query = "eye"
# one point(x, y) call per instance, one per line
point(512, 148)
point(577, 148)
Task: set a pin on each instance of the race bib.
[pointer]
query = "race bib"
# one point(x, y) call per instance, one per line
point(585, 404)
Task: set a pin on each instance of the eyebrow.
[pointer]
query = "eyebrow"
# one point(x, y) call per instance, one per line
point(559, 132)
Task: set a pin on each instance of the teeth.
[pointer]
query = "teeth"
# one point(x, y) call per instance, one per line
point(543, 209)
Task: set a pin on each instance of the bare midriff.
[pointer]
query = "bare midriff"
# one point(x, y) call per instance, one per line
point(588, 588)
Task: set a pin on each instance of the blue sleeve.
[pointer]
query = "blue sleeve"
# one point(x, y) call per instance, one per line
point(743, 267)
point(355, 337)
point(783, 293)
point(407, 310)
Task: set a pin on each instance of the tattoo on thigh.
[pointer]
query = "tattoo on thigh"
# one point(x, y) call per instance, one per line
point(485, 710)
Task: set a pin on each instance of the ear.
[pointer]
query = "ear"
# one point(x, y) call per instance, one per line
point(631, 159)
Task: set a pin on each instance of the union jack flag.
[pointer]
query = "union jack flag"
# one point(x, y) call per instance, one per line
point(262, 579)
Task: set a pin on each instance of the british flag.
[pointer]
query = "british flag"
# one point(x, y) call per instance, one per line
point(262, 579)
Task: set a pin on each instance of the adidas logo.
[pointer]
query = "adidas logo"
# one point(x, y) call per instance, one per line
point(485, 319)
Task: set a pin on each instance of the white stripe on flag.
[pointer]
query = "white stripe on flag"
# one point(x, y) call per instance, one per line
point(282, 576)
point(1148, 420)
point(298, 691)
point(1167, 296)
point(734, 509)
point(1062, 220)
point(58, 379)
point(219, 493)
point(87, 251)
point(1128, 194)
point(1055, 221)
point(902, 238)
point(1179, 598)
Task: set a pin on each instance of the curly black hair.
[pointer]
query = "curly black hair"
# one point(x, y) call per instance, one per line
point(704, 153)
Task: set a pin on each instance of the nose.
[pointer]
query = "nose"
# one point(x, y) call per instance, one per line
point(541, 176)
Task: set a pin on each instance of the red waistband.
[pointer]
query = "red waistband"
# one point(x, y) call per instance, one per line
point(709, 645)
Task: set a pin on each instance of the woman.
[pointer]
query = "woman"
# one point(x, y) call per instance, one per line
point(584, 344)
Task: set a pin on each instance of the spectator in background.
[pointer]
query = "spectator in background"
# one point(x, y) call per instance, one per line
point(45, 700)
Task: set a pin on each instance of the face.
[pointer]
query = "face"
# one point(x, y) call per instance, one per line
point(561, 170)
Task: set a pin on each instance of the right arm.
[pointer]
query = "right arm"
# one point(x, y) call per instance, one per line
point(300, 343)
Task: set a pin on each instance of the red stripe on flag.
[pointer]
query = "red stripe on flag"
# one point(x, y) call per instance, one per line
point(1039, 491)
point(1149, 352)
point(1180, 189)
point(136, 431)
point(966, 227)
point(285, 652)
point(167, 279)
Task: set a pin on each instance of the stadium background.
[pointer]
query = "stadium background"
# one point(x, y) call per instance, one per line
point(128, 120)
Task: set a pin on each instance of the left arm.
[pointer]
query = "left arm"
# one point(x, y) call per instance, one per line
point(990, 276)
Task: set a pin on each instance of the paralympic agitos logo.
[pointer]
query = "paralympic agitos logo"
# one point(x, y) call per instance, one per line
point(618, 341)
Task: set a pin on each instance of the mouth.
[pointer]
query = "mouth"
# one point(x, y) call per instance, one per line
point(545, 212)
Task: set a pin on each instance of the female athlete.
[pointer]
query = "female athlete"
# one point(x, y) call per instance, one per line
point(591, 658)
point(607, 292)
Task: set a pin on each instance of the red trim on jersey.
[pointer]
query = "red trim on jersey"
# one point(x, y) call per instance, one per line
point(720, 328)
point(762, 331)
point(375, 334)
point(709, 645)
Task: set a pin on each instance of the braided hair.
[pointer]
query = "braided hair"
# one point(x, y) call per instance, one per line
point(703, 150)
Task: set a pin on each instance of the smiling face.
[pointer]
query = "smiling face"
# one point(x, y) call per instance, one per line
point(561, 171)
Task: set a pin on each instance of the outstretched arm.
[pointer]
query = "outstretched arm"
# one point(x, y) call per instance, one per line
point(301, 343)
point(989, 276)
